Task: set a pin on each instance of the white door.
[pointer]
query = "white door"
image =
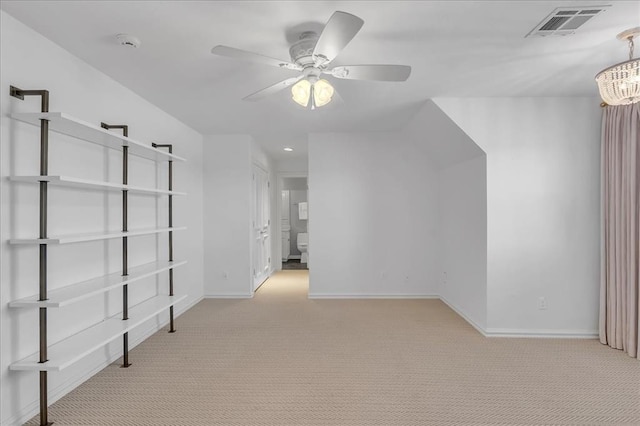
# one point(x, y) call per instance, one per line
point(261, 227)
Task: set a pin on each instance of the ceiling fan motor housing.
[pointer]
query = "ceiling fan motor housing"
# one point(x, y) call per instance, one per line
point(302, 51)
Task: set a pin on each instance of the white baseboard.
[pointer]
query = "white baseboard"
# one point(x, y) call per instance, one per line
point(372, 296)
point(541, 333)
point(487, 332)
point(229, 296)
point(54, 394)
point(458, 311)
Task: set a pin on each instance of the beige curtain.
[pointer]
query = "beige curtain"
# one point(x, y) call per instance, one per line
point(619, 289)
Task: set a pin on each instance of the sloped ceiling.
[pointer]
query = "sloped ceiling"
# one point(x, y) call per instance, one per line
point(456, 49)
point(444, 141)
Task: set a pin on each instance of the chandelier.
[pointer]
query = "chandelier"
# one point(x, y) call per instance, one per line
point(620, 84)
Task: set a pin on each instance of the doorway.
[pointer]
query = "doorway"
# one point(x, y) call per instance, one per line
point(293, 214)
point(261, 226)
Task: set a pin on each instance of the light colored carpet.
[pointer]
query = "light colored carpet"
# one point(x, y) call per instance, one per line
point(281, 359)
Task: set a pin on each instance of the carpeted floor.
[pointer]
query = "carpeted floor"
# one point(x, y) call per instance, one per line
point(281, 359)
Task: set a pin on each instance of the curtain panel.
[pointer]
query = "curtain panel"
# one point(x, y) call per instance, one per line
point(620, 250)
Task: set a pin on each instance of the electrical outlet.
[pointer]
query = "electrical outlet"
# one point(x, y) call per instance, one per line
point(444, 277)
point(542, 303)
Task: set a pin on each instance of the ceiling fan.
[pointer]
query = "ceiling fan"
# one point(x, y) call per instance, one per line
point(312, 55)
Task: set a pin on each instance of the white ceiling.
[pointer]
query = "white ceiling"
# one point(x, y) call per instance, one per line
point(456, 48)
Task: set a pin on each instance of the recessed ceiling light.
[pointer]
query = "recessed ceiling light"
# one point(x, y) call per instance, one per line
point(288, 149)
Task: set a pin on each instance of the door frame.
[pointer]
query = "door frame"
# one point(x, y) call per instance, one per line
point(278, 225)
point(255, 285)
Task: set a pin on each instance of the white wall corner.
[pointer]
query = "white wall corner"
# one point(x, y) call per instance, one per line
point(464, 316)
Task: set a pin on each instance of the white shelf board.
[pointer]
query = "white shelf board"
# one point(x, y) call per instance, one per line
point(72, 349)
point(85, 183)
point(75, 292)
point(65, 124)
point(79, 238)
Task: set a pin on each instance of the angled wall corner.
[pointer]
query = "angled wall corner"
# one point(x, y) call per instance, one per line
point(542, 210)
point(443, 140)
point(462, 210)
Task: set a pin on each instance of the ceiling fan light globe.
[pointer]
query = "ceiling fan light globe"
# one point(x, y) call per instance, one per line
point(322, 92)
point(301, 92)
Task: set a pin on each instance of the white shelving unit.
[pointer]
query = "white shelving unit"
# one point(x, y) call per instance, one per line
point(62, 354)
point(78, 291)
point(72, 182)
point(65, 124)
point(74, 348)
point(79, 238)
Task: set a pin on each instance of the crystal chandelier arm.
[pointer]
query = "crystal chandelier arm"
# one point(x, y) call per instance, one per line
point(629, 36)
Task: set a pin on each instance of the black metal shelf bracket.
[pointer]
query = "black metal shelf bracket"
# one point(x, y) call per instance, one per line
point(125, 242)
point(169, 146)
point(43, 216)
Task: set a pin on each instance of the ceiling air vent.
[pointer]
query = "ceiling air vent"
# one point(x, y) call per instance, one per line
point(565, 20)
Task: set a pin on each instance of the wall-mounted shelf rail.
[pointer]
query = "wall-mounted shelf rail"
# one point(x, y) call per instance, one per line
point(65, 124)
point(76, 292)
point(80, 238)
point(70, 350)
point(62, 354)
point(73, 182)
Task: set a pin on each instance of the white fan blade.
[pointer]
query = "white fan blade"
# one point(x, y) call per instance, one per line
point(232, 52)
point(372, 72)
point(272, 89)
point(339, 31)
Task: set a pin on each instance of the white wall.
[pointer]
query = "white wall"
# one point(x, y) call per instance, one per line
point(227, 212)
point(296, 164)
point(543, 209)
point(228, 247)
point(30, 61)
point(372, 216)
point(463, 238)
point(294, 183)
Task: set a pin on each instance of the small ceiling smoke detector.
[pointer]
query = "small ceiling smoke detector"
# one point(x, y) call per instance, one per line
point(565, 20)
point(128, 40)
